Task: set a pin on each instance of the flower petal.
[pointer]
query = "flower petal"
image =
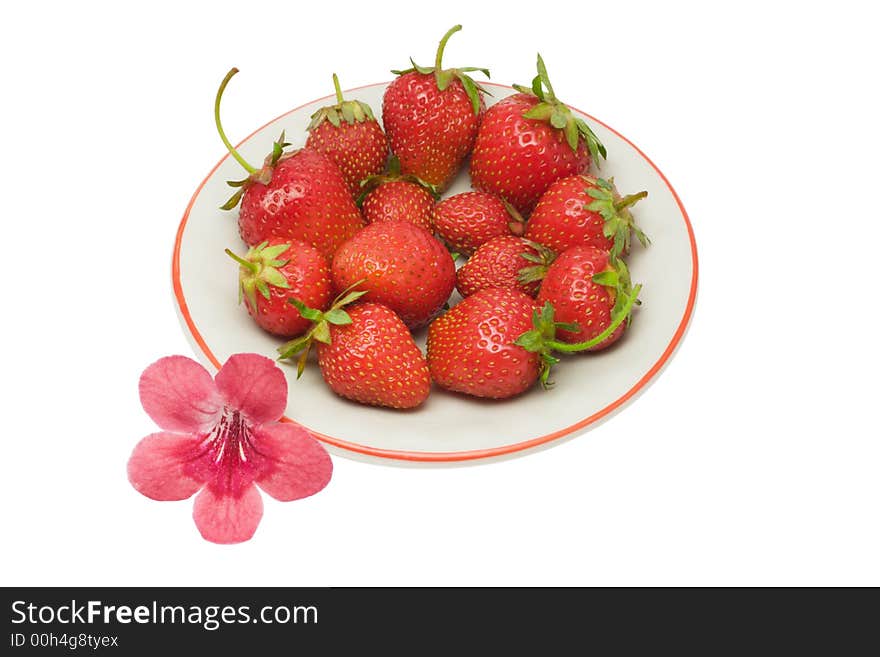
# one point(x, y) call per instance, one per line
point(180, 395)
point(254, 385)
point(158, 466)
point(295, 464)
point(226, 518)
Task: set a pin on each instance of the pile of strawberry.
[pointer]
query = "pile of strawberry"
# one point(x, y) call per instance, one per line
point(352, 248)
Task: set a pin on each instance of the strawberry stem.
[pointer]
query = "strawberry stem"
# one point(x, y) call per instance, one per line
point(629, 200)
point(442, 47)
point(336, 86)
point(604, 335)
point(229, 147)
point(244, 263)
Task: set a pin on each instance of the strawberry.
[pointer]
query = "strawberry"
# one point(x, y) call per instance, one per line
point(279, 269)
point(399, 200)
point(468, 220)
point(296, 195)
point(498, 342)
point(471, 348)
point(349, 134)
point(504, 262)
point(589, 289)
point(365, 354)
point(400, 265)
point(431, 116)
point(529, 140)
point(579, 210)
point(545, 337)
point(398, 197)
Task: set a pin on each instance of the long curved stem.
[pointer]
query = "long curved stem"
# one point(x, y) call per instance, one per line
point(604, 335)
point(229, 147)
point(439, 59)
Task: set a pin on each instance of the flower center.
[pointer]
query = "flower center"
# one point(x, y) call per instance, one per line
point(229, 453)
point(230, 439)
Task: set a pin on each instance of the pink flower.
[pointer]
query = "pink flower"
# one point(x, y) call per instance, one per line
point(221, 436)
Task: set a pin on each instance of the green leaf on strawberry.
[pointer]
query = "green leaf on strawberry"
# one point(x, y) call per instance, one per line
point(258, 270)
point(320, 330)
point(337, 316)
point(542, 337)
point(625, 296)
point(559, 115)
point(614, 209)
point(393, 174)
point(541, 260)
point(350, 111)
point(444, 77)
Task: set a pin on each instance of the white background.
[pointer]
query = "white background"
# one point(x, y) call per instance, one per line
point(753, 459)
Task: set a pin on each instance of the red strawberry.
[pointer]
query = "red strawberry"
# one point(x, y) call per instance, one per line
point(583, 210)
point(496, 343)
point(471, 348)
point(397, 197)
point(299, 195)
point(431, 117)
point(349, 134)
point(505, 262)
point(588, 288)
point(307, 199)
point(365, 354)
point(279, 269)
point(527, 141)
point(542, 338)
point(400, 265)
point(399, 200)
point(468, 220)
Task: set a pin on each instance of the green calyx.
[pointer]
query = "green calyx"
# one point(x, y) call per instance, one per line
point(348, 111)
point(444, 77)
point(393, 174)
point(619, 225)
point(558, 115)
point(517, 224)
point(542, 338)
point(262, 175)
point(320, 330)
point(538, 339)
point(540, 262)
point(617, 279)
point(258, 270)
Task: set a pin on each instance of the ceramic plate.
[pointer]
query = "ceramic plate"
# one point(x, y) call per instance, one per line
point(448, 427)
